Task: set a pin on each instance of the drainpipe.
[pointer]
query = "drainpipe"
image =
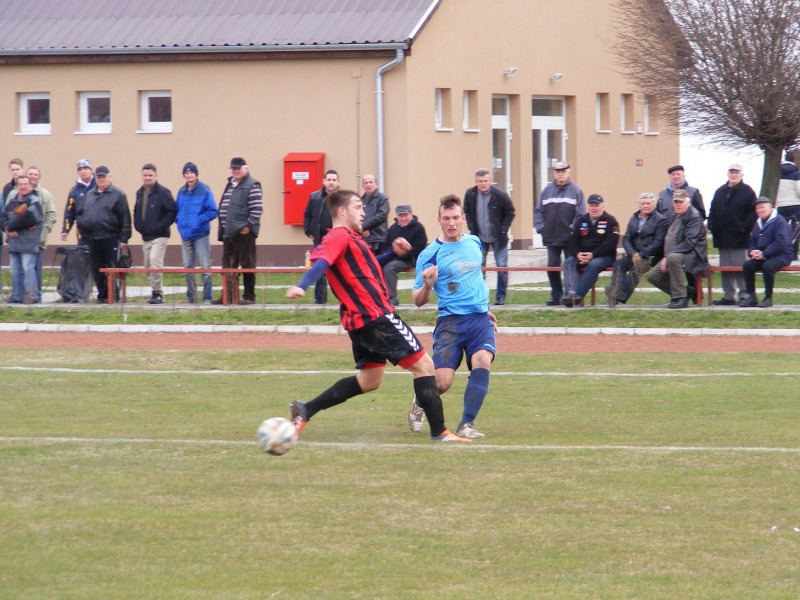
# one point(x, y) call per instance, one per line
point(399, 57)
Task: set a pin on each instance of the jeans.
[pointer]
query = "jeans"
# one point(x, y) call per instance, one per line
point(500, 260)
point(554, 254)
point(580, 279)
point(197, 253)
point(320, 288)
point(626, 276)
point(23, 277)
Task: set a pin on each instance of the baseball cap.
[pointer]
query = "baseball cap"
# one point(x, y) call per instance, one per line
point(238, 161)
point(595, 199)
point(680, 195)
point(735, 167)
point(560, 166)
point(102, 170)
point(762, 199)
point(84, 164)
point(403, 209)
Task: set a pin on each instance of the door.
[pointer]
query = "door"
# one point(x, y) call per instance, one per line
point(501, 143)
point(548, 125)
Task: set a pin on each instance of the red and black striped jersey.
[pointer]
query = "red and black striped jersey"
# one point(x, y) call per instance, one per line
point(355, 277)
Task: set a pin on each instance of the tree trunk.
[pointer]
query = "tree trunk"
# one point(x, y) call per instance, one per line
point(772, 173)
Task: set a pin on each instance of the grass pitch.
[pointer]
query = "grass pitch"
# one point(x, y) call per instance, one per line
point(650, 476)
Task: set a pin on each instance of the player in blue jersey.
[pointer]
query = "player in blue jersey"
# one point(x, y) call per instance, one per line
point(451, 267)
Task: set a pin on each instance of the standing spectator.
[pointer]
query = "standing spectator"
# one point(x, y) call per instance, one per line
point(685, 252)
point(196, 209)
point(644, 243)
point(788, 200)
point(489, 213)
point(317, 222)
point(406, 226)
point(770, 249)
point(376, 213)
point(153, 216)
point(15, 167)
point(560, 203)
point(730, 220)
point(592, 249)
point(21, 220)
point(104, 219)
point(677, 181)
point(240, 209)
point(75, 198)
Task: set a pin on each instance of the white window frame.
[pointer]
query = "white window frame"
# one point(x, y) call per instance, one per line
point(470, 110)
point(25, 126)
point(647, 120)
point(83, 109)
point(602, 113)
point(148, 126)
point(442, 110)
point(627, 99)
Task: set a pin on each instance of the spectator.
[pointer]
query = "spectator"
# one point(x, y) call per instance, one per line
point(21, 220)
point(196, 209)
point(684, 252)
point(592, 249)
point(489, 213)
point(677, 181)
point(560, 203)
point(788, 200)
point(153, 216)
point(406, 226)
point(770, 249)
point(317, 223)
point(376, 212)
point(104, 219)
point(644, 243)
point(75, 198)
point(15, 167)
point(730, 219)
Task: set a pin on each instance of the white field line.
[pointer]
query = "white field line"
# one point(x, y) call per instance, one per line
point(418, 446)
point(350, 372)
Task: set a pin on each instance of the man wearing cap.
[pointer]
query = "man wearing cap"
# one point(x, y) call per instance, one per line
point(153, 216)
point(644, 243)
point(104, 219)
point(240, 209)
point(684, 252)
point(770, 249)
point(560, 202)
point(196, 209)
point(592, 249)
point(677, 181)
point(77, 194)
point(406, 226)
point(376, 212)
point(730, 219)
point(317, 222)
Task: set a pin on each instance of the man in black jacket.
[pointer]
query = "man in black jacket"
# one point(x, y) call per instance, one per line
point(489, 214)
point(317, 222)
point(376, 213)
point(408, 227)
point(644, 244)
point(153, 215)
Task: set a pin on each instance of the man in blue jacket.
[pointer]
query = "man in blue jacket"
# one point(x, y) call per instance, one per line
point(196, 209)
point(21, 220)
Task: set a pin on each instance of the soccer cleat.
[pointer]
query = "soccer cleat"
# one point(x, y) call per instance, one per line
point(469, 432)
point(416, 416)
point(446, 436)
point(298, 412)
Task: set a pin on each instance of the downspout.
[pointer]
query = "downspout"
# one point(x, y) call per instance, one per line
point(399, 57)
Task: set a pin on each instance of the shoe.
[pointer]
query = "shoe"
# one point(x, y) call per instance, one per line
point(500, 302)
point(297, 410)
point(468, 431)
point(749, 301)
point(246, 302)
point(724, 302)
point(766, 302)
point(446, 436)
point(217, 302)
point(568, 300)
point(98, 301)
point(678, 303)
point(416, 416)
point(691, 294)
point(156, 298)
point(553, 302)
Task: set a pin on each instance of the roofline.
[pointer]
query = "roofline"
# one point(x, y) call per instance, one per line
point(424, 20)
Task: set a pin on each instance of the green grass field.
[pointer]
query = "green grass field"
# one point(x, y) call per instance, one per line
point(647, 476)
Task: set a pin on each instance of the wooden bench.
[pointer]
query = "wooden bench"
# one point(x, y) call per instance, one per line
point(708, 277)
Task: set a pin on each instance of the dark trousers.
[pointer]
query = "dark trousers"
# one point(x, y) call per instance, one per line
point(320, 288)
point(769, 267)
point(103, 253)
point(239, 251)
point(554, 254)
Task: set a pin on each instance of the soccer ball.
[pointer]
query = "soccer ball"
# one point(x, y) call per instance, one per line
point(276, 436)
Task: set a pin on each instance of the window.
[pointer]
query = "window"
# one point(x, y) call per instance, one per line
point(95, 112)
point(650, 116)
point(156, 112)
point(34, 114)
point(443, 110)
point(470, 120)
point(603, 113)
point(626, 113)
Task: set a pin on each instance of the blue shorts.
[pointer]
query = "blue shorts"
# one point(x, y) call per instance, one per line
point(459, 335)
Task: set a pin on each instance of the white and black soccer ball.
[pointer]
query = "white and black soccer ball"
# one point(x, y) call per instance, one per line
point(276, 436)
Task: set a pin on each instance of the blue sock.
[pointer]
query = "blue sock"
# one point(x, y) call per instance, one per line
point(477, 388)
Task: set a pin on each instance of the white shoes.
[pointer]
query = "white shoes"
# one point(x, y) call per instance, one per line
point(469, 432)
point(416, 416)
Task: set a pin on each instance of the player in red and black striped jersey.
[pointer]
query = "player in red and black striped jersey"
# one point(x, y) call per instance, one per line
point(377, 334)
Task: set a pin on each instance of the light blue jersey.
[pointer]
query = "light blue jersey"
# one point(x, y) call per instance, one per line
point(460, 287)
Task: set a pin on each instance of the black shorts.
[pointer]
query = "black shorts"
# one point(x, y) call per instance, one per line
point(387, 338)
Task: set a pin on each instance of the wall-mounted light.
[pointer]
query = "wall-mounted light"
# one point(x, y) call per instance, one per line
point(556, 77)
point(509, 72)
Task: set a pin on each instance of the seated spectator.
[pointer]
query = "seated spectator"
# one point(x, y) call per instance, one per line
point(684, 252)
point(644, 243)
point(592, 249)
point(770, 249)
point(405, 226)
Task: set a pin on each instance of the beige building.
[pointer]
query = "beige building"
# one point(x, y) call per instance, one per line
point(422, 96)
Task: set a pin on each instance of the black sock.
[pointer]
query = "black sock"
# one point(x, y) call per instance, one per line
point(431, 402)
point(339, 392)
